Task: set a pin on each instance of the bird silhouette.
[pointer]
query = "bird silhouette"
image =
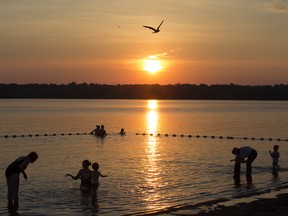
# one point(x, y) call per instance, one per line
point(154, 30)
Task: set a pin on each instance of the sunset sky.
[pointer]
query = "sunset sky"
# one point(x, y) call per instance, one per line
point(103, 41)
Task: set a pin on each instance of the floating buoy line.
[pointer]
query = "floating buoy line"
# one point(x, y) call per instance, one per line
point(43, 135)
point(213, 137)
point(151, 134)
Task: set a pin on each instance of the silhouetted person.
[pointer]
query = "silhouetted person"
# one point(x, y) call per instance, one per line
point(12, 176)
point(95, 182)
point(240, 155)
point(85, 174)
point(275, 156)
point(122, 132)
point(96, 131)
point(102, 132)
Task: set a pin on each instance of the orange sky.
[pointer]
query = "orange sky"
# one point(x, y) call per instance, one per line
point(97, 41)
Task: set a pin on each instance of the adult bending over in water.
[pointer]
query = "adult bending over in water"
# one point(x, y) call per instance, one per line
point(12, 177)
point(240, 155)
point(85, 175)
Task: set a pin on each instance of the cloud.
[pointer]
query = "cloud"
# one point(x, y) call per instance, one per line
point(279, 6)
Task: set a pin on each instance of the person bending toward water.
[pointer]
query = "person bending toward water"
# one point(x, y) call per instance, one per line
point(240, 155)
point(95, 182)
point(275, 156)
point(12, 177)
point(85, 175)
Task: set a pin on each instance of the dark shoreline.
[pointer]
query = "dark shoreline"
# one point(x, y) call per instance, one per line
point(263, 207)
point(144, 91)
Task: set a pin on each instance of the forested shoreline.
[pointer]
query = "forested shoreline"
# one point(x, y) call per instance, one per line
point(144, 91)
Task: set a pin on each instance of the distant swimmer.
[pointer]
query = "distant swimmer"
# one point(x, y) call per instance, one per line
point(96, 131)
point(122, 132)
point(102, 132)
point(153, 29)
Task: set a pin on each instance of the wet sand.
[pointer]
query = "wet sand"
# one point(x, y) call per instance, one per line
point(263, 207)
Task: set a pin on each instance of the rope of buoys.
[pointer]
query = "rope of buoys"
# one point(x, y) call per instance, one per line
point(151, 134)
point(45, 135)
point(220, 137)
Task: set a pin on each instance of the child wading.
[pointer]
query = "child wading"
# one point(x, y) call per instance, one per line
point(275, 156)
point(95, 182)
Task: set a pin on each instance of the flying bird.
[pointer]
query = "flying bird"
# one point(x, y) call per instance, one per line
point(154, 30)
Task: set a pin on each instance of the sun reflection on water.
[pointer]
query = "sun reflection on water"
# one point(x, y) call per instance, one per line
point(152, 172)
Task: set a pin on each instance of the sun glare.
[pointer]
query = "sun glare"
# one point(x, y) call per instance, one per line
point(152, 64)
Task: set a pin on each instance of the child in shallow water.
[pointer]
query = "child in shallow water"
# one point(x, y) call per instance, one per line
point(95, 182)
point(85, 175)
point(275, 156)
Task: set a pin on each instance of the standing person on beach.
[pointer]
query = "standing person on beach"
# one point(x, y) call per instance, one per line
point(240, 155)
point(85, 174)
point(275, 156)
point(12, 177)
point(95, 182)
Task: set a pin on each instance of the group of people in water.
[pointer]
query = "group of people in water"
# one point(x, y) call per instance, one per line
point(250, 155)
point(90, 178)
point(100, 131)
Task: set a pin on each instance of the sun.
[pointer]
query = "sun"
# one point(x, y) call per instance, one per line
point(152, 64)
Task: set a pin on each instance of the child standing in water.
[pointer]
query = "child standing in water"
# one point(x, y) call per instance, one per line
point(275, 156)
point(85, 175)
point(95, 182)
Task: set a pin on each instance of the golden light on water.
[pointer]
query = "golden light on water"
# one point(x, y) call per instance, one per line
point(153, 170)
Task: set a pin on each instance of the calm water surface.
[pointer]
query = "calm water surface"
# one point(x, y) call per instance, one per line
point(146, 173)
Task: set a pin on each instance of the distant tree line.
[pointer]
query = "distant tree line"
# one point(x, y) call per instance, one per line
point(145, 91)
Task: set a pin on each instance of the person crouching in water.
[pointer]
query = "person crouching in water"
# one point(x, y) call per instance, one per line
point(95, 182)
point(85, 174)
point(240, 155)
point(12, 177)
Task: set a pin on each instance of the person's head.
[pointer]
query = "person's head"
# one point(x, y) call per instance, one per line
point(276, 147)
point(102, 126)
point(86, 163)
point(98, 126)
point(33, 156)
point(235, 151)
point(95, 166)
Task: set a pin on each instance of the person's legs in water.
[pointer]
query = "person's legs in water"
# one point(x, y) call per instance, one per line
point(250, 159)
point(236, 176)
point(12, 194)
